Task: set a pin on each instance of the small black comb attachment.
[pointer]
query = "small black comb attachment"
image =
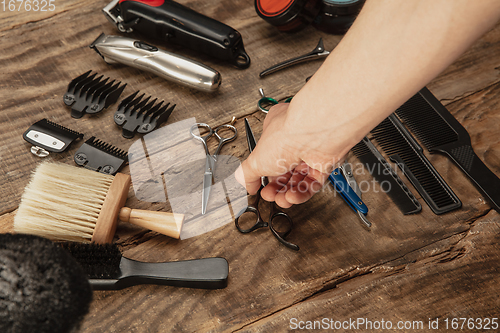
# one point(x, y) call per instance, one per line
point(136, 114)
point(100, 156)
point(439, 131)
point(107, 269)
point(90, 93)
point(388, 179)
point(402, 149)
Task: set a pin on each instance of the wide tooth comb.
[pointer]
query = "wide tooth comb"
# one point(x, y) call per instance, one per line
point(439, 131)
point(402, 149)
point(100, 156)
point(90, 93)
point(136, 114)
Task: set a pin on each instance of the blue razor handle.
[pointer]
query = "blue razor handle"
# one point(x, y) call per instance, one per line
point(346, 192)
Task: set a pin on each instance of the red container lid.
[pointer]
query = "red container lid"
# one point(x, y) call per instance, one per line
point(288, 15)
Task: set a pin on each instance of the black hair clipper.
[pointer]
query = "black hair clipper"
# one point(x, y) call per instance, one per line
point(173, 22)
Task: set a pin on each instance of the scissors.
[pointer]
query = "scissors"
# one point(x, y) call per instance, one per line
point(208, 176)
point(345, 184)
point(275, 213)
point(266, 101)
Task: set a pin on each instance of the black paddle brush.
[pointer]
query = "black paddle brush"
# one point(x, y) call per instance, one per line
point(439, 131)
point(107, 269)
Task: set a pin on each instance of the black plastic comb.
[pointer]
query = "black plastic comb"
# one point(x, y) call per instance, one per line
point(388, 179)
point(403, 150)
point(90, 93)
point(99, 156)
point(439, 131)
point(108, 270)
point(136, 114)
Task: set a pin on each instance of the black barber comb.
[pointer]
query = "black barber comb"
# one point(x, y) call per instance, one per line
point(388, 179)
point(440, 132)
point(100, 156)
point(403, 150)
point(91, 94)
point(140, 115)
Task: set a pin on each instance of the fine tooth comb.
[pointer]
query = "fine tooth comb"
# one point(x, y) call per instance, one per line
point(136, 114)
point(107, 269)
point(439, 131)
point(90, 93)
point(47, 136)
point(383, 173)
point(100, 156)
point(403, 150)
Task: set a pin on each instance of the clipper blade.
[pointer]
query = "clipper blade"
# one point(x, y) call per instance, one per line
point(100, 156)
point(136, 114)
point(90, 93)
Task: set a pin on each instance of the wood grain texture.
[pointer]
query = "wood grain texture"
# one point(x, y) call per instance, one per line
point(403, 268)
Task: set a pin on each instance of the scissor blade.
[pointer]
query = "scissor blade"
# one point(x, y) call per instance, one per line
point(207, 185)
point(250, 137)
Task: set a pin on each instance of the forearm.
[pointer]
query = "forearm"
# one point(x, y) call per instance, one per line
point(393, 49)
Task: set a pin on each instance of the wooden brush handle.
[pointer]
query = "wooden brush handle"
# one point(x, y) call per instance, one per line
point(165, 223)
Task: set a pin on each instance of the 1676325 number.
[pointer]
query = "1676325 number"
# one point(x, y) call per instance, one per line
point(472, 323)
point(28, 5)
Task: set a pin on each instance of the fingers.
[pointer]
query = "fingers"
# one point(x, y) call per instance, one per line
point(294, 187)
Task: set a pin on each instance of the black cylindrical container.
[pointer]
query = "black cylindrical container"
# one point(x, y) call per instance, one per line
point(288, 15)
point(337, 16)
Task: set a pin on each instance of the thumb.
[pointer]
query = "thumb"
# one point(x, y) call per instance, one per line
point(249, 175)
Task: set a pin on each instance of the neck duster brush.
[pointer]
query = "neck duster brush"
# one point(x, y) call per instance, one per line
point(63, 202)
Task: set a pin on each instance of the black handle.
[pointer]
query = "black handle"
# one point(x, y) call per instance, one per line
point(206, 273)
point(484, 179)
point(176, 23)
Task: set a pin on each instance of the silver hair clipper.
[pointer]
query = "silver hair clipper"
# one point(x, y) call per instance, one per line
point(134, 53)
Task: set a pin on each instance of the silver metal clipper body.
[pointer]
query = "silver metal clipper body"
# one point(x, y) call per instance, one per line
point(178, 69)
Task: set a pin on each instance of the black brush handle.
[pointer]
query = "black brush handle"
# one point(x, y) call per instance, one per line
point(484, 179)
point(206, 273)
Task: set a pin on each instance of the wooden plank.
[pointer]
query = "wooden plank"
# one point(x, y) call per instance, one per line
point(456, 277)
point(268, 283)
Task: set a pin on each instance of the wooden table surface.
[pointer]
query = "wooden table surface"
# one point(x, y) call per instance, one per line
point(405, 269)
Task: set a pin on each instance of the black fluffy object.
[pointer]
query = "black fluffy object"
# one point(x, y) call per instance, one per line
point(42, 288)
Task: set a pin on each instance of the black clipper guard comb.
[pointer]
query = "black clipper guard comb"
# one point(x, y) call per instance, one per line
point(99, 156)
point(91, 94)
point(172, 22)
point(47, 136)
point(136, 114)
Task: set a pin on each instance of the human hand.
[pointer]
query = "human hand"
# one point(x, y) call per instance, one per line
point(295, 160)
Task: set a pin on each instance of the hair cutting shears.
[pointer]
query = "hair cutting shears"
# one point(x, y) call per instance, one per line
point(279, 222)
point(211, 160)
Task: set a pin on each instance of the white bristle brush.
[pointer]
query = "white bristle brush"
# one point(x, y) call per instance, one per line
point(63, 202)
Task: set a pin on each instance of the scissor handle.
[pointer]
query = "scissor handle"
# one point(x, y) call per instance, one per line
point(203, 138)
point(269, 100)
point(281, 235)
point(222, 139)
point(258, 222)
